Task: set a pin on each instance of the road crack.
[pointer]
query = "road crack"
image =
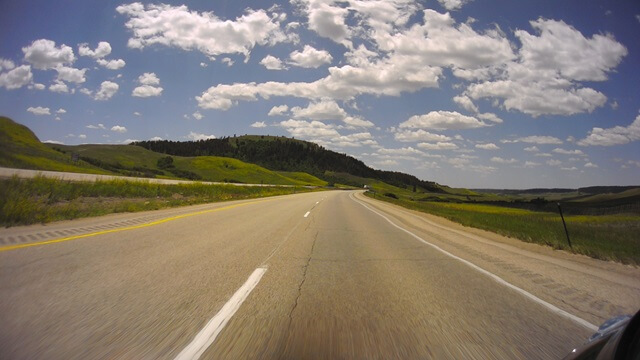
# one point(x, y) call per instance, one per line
point(304, 278)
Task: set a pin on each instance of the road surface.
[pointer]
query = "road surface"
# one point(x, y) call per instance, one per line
point(315, 275)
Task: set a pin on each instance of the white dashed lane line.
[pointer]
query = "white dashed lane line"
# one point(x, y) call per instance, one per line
point(208, 334)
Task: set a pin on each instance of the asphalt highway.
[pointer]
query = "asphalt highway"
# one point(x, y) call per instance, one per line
point(326, 275)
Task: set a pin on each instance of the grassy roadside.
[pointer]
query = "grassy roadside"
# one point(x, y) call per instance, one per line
point(41, 199)
point(610, 237)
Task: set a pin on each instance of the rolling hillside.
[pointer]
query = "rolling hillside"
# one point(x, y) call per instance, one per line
point(137, 161)
point(20, 148)
point(246, 159)
point(285, 154)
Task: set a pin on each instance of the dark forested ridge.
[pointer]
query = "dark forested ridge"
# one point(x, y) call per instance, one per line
point(284, 154)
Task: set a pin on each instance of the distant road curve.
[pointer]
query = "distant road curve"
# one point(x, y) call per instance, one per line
point(28, 174)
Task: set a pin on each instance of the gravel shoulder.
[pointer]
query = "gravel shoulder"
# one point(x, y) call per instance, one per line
point(595, 290)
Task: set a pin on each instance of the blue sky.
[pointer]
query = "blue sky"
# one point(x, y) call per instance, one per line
point(479, 94)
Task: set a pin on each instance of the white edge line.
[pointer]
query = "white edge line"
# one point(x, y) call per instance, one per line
point(208, 334)
point(307, 214)
point(498, 279)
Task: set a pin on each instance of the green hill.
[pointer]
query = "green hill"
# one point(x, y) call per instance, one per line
point(612, 198)
point(284, 154)
point(137, 161)
point(20, 148)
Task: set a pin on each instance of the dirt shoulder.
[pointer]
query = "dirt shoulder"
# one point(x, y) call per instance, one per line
point(589, 288)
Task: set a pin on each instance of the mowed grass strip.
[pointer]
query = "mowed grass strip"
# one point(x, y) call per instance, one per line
point(609, 237)
point(42, 200)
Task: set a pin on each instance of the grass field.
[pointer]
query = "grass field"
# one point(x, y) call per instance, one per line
point(303, 178)
point(41, 200)
point(610, 237)
point(20, 148)
point(131, 159)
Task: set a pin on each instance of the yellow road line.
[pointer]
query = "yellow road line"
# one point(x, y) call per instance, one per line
point(157, 222)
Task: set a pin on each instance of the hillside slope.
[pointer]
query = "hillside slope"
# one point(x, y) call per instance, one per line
point(137, 161)
point(21, 148)
point(284, 154)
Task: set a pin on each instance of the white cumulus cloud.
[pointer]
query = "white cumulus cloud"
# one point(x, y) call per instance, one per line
point(327, 20)
point(272, 63)
point(328, 110)
point(149, 86)
point(194, 136)
point(227, 61)
point(112, 64)
point(322, 110)
point(43, 54)
point(453, 4)
point(310, 129)
point(442, 120)
point(500, 160)
point(536, 139)
point(466, 103)
point(438, 146)
point(146, 91)
point(16, 77)
point(118, 128)
point(6, 64)
point(177, 26)
point(59, 87)
point(440, 42)
point(103, 49)
point(567, 152)
point(355, 121)
point(617, 135)
point(70, 74)
point(545, 78)
point(149, 79)
point(488, 146)
point(564, 49)
point(278, 110)
point(39, 110)
point(107, 90)
point(310, 57)
point(406, 135)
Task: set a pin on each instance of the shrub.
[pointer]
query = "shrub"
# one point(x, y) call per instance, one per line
point(165, 162)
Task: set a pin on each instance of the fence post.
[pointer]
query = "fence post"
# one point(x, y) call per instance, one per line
point(565, 226)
